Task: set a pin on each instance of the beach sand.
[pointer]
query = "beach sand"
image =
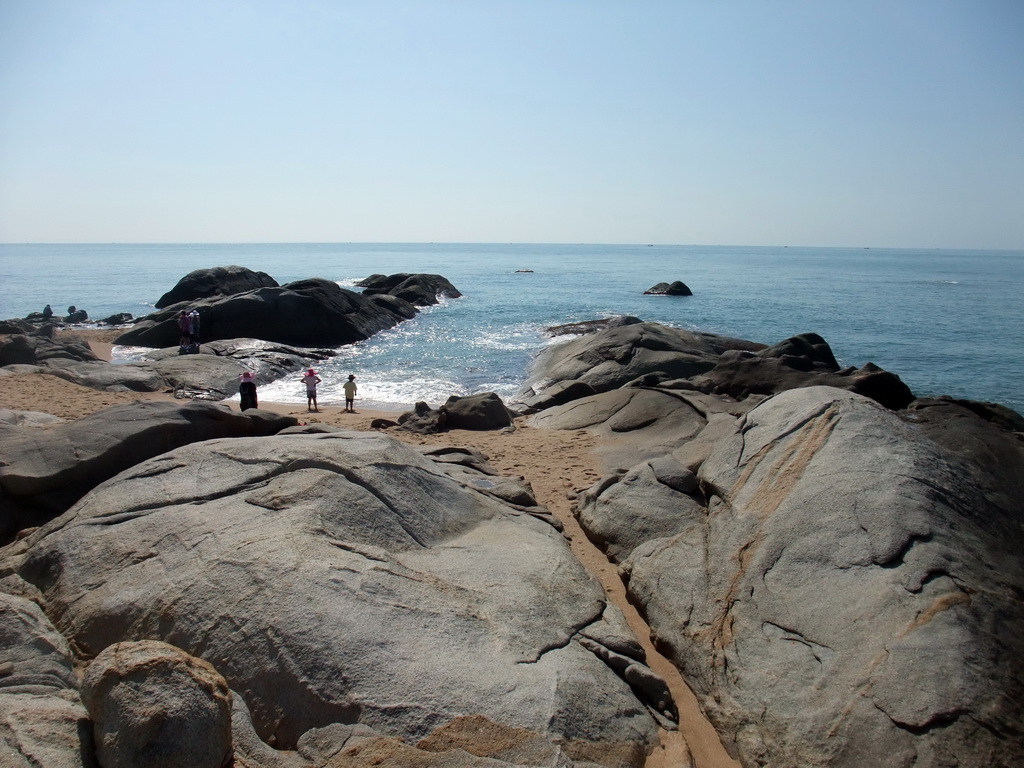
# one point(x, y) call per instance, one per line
point(557, 464)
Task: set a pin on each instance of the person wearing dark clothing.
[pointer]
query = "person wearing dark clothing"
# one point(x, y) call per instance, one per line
point(247, 391)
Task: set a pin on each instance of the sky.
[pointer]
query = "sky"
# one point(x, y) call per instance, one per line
point(897, 123)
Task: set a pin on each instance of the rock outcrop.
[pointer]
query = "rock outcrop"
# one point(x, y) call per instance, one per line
point(610, 358)
point(676, 288)
point(42, 720)
point(218, 281)
point(343, 578)
point(153, 704)
point(421, 290)
point(305, 313)
point(841, 589)
point(44, 472)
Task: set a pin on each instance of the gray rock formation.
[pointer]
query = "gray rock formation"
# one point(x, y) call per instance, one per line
point(42, 721)
point(801, 361)
point(481, 411)
point(152, 704)
point(345, 578)
point(306, 313)
point(40, 346)
point(44, 472)
point(211, 374)
point(591, 326)
point(612, 357)
point(218, 281)
point(842, 589)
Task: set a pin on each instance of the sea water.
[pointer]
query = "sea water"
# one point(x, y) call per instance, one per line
point(946, 321)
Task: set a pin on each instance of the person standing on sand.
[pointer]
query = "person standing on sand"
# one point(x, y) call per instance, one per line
point(311, 380)
point(247, 390)
point(350, 394)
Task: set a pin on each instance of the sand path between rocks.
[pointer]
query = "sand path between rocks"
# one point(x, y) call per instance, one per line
point(558, 464)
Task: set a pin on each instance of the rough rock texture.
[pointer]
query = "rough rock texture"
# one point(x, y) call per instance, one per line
point(306, 313)
point(210, 374)
point(591, 326)
point(801, 361)
point(481, 411)
point(44, 472)
point(42, 721)
point(421, 290)
point(153, 704)
point(635, 423)
point(342, 578)
point(32, 349)
point(218, 281)
point(849, 594)
point(675, 288)
point(9, 418)
point(610, 358)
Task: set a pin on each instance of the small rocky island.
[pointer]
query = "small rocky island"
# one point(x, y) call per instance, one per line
point(832, 563)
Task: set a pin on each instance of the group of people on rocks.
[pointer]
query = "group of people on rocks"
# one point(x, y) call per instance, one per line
point(247, 391)
point(188, 324)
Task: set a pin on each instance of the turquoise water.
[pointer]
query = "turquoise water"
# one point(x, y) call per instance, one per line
point(947, 322)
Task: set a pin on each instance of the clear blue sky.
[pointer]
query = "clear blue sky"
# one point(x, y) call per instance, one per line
point(776, 122)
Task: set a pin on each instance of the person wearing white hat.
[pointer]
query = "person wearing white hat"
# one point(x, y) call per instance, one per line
point(311, 380)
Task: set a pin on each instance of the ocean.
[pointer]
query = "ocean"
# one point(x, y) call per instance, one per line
point(946, 321)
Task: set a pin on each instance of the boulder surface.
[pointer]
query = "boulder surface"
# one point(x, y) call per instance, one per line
point(346, 578)
point(841, 589)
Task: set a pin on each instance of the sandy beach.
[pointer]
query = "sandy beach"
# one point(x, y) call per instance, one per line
point(557, 464)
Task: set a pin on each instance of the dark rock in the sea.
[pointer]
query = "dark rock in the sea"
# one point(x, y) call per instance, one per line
point(871, 566)
point(802, 361)
point(218, 281)
point(479, 412)
point(153, 704)
point(676, 288)
point(306, 313)
point(77, 316)
point(345, 578)
point(23, 349)
point(610, 358)
point(591, 326)
point(421, 290)
point(43, 472)
point(121, 318)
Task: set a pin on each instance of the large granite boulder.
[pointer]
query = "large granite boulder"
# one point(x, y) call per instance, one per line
point(218, 281)
point(305, 313)
point(345, 578)
point(44, 471)
point(42, 721)
point(152, 704)
point(802, 361)
point(610, 358)
point(482, 411)
point(842, 589)
point(584, 327)
point(421, 290)
point(38, 347)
